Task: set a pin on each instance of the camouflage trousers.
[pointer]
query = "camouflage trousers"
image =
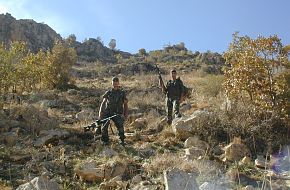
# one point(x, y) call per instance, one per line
point(119, 123)
point(172, 105)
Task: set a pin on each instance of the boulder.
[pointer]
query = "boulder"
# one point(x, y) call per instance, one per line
point(115, 183)
point(40, 183)
point(194, 141)
point(178, 179)
point(139, 123)
point(92, 172)
point(194, 153)
point(236, 150)
point(48, 136)
point(184, 127)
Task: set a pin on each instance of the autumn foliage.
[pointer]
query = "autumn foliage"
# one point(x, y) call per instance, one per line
point(256, 72)
point(22, 71)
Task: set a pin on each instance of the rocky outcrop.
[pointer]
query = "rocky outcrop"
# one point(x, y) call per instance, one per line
point(92, 50)
point(36, 35)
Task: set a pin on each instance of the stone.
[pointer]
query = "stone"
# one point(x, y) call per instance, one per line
point(48, 136)
point(177, 179)
point(107, 152)
point(210, 186)
point(136, 179)
point(139, 123)
point(194, 153)
point(184, 127)
point(194, 141)
point(40, 183)
point(236, 150)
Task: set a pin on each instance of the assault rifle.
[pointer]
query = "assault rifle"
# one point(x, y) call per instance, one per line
point(98, 123)
point(161, 83)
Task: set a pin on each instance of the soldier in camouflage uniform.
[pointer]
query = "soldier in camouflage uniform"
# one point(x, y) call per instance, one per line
point(173, 90)
point(114, 102)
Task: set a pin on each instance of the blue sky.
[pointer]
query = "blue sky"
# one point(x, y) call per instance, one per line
point(151, 24)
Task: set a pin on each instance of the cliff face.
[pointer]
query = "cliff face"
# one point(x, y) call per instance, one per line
point(41, 36)
point(37, 35)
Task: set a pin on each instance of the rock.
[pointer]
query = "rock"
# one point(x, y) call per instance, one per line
point(115, 183)
point(114, 169)
point(143, 186)
point(90, 174)
point(136, 179)
point(146, 151)
point(217, 150)
point(48, 136)
point(32, 118)
point(40, 183)
point(235, 176)
point(68, 119)
point(89, 171)
point(177, 179)
point(133, 137)
point(36, 35)
point(10, 138)
point(246, 161)
point(87, 114)
point(107, 152)
point(194, 153)
point(194, 141)
point(261, 162)
point(249, 187)
point(132, 117)
point(139, 123)
point(72, 92)
point(184, 127)
point(210, 186)
point(236, 150)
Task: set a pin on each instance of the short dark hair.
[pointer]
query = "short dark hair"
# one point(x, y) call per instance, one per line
point(173, 71)
point(115, 79)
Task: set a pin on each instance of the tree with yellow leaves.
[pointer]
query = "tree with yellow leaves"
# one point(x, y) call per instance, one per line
point(256, 71)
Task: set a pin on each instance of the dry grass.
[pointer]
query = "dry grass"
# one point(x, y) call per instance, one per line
point(162, 162)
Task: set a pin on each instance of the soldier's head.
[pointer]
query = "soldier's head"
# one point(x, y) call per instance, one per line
point(173, 74)
point(115, 82)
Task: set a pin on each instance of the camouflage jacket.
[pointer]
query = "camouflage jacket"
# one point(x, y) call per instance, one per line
point(115, 101)
point(174, 89)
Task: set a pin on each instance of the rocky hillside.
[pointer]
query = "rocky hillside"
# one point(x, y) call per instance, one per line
point(43, 144)
point(41, 36)
point(92, 50)
point(37, 35)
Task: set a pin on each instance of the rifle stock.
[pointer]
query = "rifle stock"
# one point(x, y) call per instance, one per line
point(98, 123)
